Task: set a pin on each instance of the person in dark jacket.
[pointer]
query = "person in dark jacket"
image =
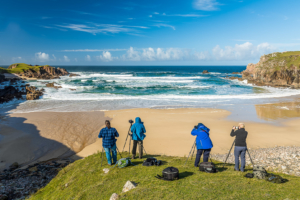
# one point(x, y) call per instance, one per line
point(203, 142)
point(138, 135)
point(108, 135)
point(240, 146)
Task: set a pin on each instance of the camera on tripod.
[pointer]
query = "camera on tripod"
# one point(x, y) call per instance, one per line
point(130, 121)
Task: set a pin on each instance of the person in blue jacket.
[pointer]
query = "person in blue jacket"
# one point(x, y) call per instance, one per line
point(138, 135)
point(203, 142)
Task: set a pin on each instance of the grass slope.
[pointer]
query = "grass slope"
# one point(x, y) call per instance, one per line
point(21, 67)
point(85, 180)
point(289, 59)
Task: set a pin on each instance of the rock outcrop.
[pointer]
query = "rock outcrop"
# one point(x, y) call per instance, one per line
point(39, 72)
point(52, 85)
point(33, 93)
point(9, 93)
point(205, 72)
point(72, 74)
point(276, 70)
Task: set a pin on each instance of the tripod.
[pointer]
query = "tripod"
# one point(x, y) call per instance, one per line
point(130, 135)
point(109, 152)
point(230, 151)
point(193, 149)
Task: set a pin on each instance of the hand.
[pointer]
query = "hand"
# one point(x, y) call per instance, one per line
point(233, 128)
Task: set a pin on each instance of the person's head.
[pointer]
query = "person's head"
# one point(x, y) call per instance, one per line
point(107, 123)
point(241, 125)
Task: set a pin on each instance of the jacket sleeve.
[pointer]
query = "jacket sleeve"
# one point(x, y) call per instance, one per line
point(116, 133)
point(100, 134)
point(144, 129)
point(233, 133)
point(132, 128)
point(194, 132)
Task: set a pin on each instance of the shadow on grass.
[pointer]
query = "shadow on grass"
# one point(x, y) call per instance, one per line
point(183, 175)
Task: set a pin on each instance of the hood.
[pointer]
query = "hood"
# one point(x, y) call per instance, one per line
point(201, 127)
point(138, 120)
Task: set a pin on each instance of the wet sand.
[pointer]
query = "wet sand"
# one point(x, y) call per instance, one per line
point(37, 136)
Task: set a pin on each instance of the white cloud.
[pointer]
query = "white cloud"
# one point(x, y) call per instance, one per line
point(165, 25)
point(16, 59)
point(246, 51)
point(92, 50)
point(106, 56)
point(66, 59)
point(206, 5)
point(54, 58)
point(150, 15)
point(42, 57)
point(88, 58)
point(156, 13)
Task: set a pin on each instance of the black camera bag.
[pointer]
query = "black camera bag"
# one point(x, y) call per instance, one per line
point(208, 167)
point(169, 174)
point(151, 161)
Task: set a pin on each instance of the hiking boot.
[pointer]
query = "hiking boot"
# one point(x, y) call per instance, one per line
point(140, 157)
point(133, 157)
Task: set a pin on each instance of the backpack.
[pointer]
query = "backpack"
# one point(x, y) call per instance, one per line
point(124, 162)
point(274, 178)
point(169, 174)
point(259, 172)
point(208, 167)
point(151, 161)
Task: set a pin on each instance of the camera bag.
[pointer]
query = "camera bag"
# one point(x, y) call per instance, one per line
point(259, 172)
point(169, 174)
point(151, 161)
point(208, 167)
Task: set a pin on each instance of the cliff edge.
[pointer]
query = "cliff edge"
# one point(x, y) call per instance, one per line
point(276, 70)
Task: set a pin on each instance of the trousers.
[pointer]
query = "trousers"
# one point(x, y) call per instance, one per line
point(205, 152)
point(114, 154)
point(140, 144)
point(240, 151)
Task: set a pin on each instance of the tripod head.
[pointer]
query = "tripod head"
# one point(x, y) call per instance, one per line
point(130, 121)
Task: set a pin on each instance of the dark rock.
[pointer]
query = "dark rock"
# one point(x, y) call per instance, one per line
point(72, 74)
point(236, 72)
point(205, 72)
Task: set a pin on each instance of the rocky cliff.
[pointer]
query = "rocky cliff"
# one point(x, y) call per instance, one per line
point(276, 70)
point(39, 72)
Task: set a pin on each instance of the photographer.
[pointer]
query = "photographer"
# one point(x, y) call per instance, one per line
point(240, 145)
point(138, 135)
point(108, 135)
point(203, 142)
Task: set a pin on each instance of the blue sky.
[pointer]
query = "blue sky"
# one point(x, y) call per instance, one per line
point(144, 32)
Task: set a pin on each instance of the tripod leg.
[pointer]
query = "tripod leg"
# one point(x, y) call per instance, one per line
point(119, 152)
point(190, 152)
point(129, 146)
point(125, 143)
point(228, 154)
point(144, 150)
point(193, 152)
point(102, 157)
point(250, 158)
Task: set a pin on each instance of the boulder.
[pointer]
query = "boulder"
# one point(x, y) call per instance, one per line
point(52, 85)
point(114, 196)
point(205, 72)
point(129, 186)
point(71, 75)
point(15, 165)
point(236, 72)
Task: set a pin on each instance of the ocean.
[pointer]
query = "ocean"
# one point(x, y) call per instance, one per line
point(121, 87)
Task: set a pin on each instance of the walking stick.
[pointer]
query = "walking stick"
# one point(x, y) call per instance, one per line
point(228, 154)
point(190, 151)
point(102, 157)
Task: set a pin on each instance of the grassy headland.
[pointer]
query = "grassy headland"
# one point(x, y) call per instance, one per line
point(85, 179)
point(19, 68)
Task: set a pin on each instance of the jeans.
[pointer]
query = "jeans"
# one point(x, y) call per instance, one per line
point(135, 143)
point(237, 152)
point(205, 152)
point(114, 154)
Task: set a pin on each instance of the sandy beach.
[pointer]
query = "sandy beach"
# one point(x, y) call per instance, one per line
point(37, 136)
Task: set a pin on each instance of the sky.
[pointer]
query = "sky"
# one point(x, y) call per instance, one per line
point(146, 32)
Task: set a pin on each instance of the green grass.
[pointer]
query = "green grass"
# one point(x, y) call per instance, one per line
point(21, 67)
point(86, 180)
point(291, 59)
